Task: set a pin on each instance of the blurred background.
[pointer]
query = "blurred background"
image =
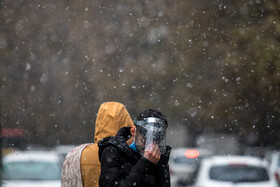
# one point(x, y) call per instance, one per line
point(212, 67)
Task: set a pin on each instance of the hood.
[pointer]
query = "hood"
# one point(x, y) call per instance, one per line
point(110, 118)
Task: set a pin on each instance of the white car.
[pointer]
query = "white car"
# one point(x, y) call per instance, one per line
point(183, 161)
point(274, 164)
point(31, 168)
point(233, 171)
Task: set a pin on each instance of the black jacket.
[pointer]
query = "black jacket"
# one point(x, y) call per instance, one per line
point(123, 167)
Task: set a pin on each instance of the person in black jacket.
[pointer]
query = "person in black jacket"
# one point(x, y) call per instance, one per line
point(144, 162)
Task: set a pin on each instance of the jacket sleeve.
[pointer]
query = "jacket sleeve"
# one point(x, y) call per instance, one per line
point(162, 169)
point(112, 172)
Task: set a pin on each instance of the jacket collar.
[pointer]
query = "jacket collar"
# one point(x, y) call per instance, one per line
point(120, 142)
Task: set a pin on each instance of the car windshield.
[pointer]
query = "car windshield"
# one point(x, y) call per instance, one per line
point(239, 173)
point(31, 171)
point(186, 161)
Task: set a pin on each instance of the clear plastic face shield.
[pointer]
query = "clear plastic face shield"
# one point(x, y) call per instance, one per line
point(151, 131)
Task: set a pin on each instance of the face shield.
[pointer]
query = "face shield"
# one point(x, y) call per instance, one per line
point(150, 131)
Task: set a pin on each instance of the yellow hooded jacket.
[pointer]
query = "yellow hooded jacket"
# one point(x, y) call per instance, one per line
point(110, 118)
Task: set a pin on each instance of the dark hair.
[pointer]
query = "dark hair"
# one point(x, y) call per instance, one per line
point(152, 113)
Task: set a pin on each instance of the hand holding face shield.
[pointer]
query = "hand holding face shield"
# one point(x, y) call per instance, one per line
point(151, 133)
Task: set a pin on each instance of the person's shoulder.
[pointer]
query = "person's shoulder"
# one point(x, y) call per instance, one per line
point(90, 151)
point(110, 148)
point(109, 154)
point(76, 152)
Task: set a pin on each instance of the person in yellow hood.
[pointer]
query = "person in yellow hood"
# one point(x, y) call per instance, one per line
point(81, 167)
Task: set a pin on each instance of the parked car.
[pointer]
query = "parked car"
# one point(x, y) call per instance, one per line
point(62, 151)
point(232, 171)
point(183, 161)
point(31, 168)
point(274, 164)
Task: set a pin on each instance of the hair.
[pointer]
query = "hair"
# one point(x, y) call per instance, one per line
point(152, 113)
